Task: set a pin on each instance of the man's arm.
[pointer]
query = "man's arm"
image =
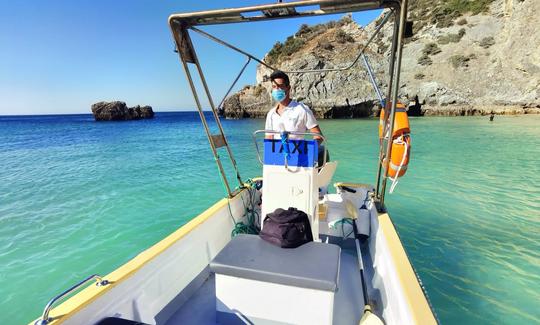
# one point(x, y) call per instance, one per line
point(268, 126)
point(311, 121)
point(316, 129)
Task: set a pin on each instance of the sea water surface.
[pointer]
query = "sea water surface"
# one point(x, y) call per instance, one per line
point(79, 197)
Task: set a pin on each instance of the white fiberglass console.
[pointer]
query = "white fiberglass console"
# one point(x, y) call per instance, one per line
point(290, 178)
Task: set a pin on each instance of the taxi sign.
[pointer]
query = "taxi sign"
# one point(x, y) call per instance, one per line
point(301, 153)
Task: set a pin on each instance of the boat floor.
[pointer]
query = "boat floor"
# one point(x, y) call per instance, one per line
point(200, 308)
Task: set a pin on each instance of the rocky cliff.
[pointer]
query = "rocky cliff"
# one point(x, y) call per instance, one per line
point(465, 58)
point(118, 111)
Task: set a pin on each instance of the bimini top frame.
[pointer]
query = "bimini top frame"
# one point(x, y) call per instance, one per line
point(278, 10)
point(180, 24)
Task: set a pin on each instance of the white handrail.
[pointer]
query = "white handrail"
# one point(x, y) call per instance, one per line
point(45, 317)
point(288, 133)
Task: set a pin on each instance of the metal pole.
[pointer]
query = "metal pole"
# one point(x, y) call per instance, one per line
point(249, 14)
point(402, 20)
point(201, 114)
point(383, 107)
point(216, 117)
point(234, 82)
point(372, 78)
point(232, 47)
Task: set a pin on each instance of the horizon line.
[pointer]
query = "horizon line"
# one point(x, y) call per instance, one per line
point(63, 114)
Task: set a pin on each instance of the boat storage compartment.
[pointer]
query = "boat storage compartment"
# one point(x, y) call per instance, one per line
point(258, 282)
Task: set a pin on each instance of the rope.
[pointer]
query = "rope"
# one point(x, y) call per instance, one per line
point(395, 179)
point(342, 222)
point(285, 144)
point(249, 211)
point(251, 225)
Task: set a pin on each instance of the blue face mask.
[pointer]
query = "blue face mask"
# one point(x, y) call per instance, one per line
point(278, 94)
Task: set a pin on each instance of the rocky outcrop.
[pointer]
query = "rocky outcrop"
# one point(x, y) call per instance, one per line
point(250, 102)
point(118, 111)
point(461, 61)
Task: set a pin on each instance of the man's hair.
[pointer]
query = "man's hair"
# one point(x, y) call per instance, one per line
point(279, 75)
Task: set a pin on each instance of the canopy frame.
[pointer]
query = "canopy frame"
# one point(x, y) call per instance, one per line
point(182, 23)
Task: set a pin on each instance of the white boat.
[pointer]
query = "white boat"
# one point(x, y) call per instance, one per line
point(213, 271)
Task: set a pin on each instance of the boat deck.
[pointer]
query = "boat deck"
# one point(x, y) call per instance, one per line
point(200, 308)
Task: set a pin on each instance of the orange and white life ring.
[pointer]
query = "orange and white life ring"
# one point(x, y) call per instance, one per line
point(401, 143)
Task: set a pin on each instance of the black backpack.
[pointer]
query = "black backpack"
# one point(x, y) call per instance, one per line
point(286, 228)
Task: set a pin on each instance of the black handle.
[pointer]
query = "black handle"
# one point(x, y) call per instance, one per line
point(348, 189)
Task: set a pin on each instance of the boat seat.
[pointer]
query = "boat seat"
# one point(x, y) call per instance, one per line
point(326, 173)
point(259, 283)
point(312, 265)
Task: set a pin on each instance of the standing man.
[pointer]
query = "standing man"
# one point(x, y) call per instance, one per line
point(289, 115)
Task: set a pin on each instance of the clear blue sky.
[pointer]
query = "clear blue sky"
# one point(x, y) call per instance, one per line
point(59, 57)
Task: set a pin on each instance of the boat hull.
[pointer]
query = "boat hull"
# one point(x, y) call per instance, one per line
point(153, 287)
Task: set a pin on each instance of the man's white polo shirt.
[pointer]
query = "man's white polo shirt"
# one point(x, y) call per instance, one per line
point(296, 117)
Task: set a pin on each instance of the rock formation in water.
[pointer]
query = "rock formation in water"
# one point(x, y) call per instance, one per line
point(118, 111)
point(465, 58)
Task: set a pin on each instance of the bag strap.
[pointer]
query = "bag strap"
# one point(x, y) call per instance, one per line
point(284, 216)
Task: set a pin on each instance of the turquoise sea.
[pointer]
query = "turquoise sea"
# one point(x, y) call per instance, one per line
point(79, 197)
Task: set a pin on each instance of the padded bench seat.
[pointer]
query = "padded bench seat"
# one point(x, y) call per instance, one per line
point(312, 265)
point(266, 284)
